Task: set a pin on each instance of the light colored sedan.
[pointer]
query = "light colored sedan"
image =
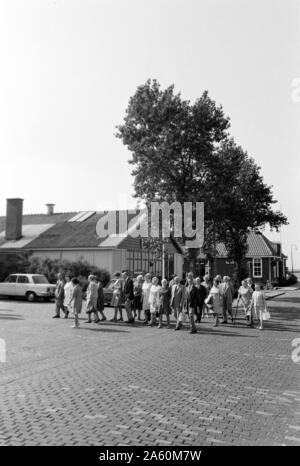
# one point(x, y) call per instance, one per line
point(26, 285)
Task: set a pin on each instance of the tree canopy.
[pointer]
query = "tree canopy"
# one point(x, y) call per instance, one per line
point(182, 151)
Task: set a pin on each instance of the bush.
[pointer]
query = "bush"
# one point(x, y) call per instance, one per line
point(290, 279)
point(12, 263)
point(51, 267)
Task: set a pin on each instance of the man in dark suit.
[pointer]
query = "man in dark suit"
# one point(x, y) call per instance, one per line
point(227, 292)
point(177, 301)
point(191, 302)
point(201, 290)
point(128, 296)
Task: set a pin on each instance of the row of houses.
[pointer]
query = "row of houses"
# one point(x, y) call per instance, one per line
point(73, 236)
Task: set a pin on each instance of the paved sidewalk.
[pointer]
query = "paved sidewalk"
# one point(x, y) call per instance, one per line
point(116, 384)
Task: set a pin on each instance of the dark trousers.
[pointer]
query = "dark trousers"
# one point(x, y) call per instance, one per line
point(59, 305)
point(192, 318)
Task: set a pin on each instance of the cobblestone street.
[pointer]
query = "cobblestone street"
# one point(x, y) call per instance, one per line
point(116, 384)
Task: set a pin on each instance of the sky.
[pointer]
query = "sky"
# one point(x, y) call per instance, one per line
point(69, 67)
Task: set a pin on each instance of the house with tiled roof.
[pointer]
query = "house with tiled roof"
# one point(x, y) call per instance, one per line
point(264, 262)
point(74, 236)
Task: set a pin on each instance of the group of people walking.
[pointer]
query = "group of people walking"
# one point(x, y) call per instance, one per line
point(190, 300)
point(69, 298)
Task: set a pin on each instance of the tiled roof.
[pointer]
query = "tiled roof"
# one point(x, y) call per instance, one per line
point(61, 232)
point(30, 232)
point(57, 231)
point(37, 219)
point(258, 246)
point(69, 235)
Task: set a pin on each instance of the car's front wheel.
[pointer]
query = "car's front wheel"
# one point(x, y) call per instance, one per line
point(31, 296)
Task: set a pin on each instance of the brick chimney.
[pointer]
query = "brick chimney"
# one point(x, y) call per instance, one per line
point(50, 209)
point(14, 214)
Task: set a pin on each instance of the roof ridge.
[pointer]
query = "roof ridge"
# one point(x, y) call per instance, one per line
point(268, 243)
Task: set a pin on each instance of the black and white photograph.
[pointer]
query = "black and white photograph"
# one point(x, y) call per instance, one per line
point(149, 228)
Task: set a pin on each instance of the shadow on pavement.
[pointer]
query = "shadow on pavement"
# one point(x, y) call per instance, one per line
point(10, 317)
point(223, 333)
point(102, 329)
point(287, 300)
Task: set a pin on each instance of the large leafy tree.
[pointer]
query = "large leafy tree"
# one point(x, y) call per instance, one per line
point(182, 152)
point(240, 201)
point(171, 142)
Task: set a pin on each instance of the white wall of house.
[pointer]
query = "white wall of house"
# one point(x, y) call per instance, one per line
point(99, 258)
point(112, 260)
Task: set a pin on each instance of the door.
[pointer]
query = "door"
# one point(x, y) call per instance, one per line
point(22, 285)
point(8, 287)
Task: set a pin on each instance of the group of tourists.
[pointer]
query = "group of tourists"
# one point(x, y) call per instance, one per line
point(191, 299)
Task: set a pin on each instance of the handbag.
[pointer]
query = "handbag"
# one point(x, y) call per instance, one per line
point(266, 315)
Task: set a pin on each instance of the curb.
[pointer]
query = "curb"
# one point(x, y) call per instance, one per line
point(275, 295)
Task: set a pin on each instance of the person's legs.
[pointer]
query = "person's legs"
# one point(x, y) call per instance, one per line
point(193, 328)
point(229, 309)
point(199, 313)
point(216, 316)
point(102, 315)
point(128, 310)
point(139, 310)
point(57, 309)
point(89, 317)
point(76, 319)
point(224, 311)
point(152, 319)
point(261, 322)
point(97, 318)
point(147, 316)
point(121, 314)
point(160, 318)
point(134, 307)
point(179, 319)
point(168, 319)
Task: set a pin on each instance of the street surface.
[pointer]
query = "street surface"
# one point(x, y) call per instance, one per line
point(121, 384)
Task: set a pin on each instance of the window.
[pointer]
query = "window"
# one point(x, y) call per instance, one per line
point(145, 266)
point(23, 279)
point(137, 261)
point(39, 279)
point(130, 261)
point(11, 279)
point(170, 270)
point(257, 268)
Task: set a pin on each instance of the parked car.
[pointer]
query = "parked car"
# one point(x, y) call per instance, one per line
point(108, 292)
point(29, 286)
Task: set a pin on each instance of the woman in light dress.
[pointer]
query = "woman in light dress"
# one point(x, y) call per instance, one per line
point(215, 301)
point(91, 299)
point(145, 297)
point(67, 293)
point(117, 298)
point(154, 300)
point(258, 305)
point(244, 295)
